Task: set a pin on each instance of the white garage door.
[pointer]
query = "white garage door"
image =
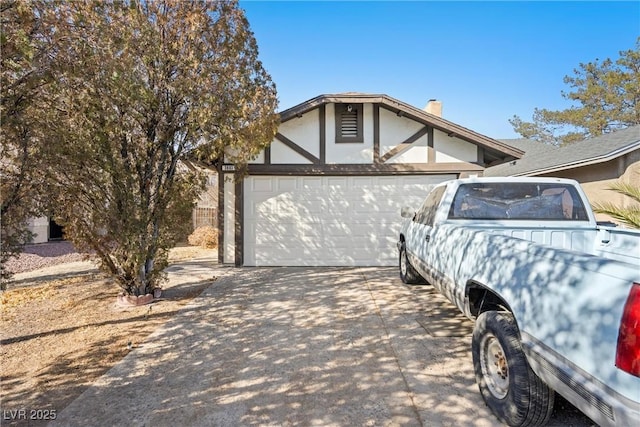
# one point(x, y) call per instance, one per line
point(328, 220)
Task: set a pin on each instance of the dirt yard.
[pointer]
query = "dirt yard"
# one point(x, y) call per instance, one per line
point(59, 335)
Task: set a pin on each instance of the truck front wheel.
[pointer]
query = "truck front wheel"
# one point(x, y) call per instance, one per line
point(515, 394)
point(408, 274)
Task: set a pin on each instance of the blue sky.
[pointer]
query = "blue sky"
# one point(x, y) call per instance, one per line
point(485, 61)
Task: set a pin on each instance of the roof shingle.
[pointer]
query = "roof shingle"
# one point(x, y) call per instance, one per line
point(542, 158)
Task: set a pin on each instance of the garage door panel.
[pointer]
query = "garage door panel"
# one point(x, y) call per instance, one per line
point(261, 184)
point(333, 229)
point(328, 221)
point(286, 183)
point(373, 208)
point(311, 182)
point(288, 208)
point(342, 245)
point(390, 182)
point(362, 182)
point(339, 182)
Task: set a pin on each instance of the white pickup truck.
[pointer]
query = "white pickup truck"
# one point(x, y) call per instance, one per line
point(555, 297)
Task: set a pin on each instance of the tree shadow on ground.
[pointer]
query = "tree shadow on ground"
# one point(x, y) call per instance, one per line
point(293, 346)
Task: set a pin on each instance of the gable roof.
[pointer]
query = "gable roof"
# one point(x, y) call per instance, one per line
point(540, 158)
point(494, 149)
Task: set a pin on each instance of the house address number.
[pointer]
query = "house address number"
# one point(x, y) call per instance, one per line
point(228, 168)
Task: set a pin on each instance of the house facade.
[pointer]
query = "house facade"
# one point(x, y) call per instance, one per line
point(595, 163)
point(329, 188)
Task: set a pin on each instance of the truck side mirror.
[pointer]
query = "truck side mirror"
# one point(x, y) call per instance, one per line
point(406, 212)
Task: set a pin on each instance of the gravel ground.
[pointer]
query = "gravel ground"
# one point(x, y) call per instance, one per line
point(43, 255)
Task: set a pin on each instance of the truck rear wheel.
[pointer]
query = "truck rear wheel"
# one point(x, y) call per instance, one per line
point(408, 274)
point(508, 385)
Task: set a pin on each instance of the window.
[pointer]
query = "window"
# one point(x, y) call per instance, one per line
point(349, 123)
point(426, 214)
point(518, 201)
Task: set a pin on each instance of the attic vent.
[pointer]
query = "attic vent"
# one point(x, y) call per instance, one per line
point(349, 123)
point(349, 128)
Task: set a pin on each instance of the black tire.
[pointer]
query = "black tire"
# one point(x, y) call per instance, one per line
point(515, 394)
point(407, 273)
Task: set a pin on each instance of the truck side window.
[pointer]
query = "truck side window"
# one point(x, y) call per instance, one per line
point(427, 211)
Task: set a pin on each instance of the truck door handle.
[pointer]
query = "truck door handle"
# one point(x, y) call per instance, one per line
point(427, 238)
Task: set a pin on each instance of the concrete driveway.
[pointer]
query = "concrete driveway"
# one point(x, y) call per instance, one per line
point(299, 346)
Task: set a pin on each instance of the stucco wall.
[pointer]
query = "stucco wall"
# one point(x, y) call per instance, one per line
point(40, 227)
point(303, 131)
point(394, 130)
point(451, 149)
point(281, 154)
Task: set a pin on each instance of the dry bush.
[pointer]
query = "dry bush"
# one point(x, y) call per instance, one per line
point(205, 237)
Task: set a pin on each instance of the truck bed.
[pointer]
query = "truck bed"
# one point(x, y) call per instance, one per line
point(608, 242)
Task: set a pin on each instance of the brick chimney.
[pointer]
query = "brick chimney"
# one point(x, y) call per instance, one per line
point(434, 107)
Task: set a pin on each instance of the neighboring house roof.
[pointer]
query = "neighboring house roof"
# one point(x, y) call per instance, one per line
point(527, 145)
point(541, 158)
point(495, 149)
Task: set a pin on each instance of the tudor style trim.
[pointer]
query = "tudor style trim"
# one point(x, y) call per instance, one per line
point(323, 133)
point(508, 152)
point(267, 155)
point(480, 155)
point(295, 147)
point(431, 152)
point(405, 145)
point(220, 215)
point(366, 169)
point(376, 133)
point(239, 221)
